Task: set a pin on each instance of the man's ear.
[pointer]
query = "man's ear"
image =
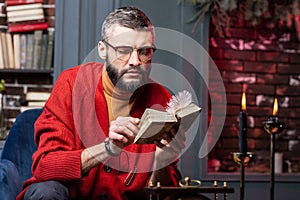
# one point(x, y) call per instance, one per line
point(102, 50)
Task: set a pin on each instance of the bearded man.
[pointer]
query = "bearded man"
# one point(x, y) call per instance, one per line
point(86, 131)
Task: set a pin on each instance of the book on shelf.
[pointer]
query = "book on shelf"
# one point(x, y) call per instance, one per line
point(1, 54)
point(24, 7)
point(30, 17)
point(44, 51)
point(26, 17)
point(36, 103)
point(10, 51)
point(24, 108)
point(35, 100)
point(20, 2)
point(154, 123)
point(29, 50)
point(37, 96)
point(17, 53)
point(4, 49)
point(23, 51)
point(50, 48)
point(21, 13)
point(37, 47)
point(26, 27)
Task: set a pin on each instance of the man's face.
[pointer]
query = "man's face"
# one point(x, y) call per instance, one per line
point(130, 73)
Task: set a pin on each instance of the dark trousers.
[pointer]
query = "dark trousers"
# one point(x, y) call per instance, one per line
point(48, 190)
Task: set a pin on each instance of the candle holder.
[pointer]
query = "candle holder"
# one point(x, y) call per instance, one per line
point(273, 127)
point(243, 159)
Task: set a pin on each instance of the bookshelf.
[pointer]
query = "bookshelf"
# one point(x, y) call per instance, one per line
point(27, 34)
point(26, 53)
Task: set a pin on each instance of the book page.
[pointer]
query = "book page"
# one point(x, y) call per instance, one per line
point(187, 115)
point(153, 124)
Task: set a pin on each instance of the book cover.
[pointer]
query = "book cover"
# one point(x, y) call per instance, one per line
point(29, 50)
point(23, 51)
point(1, 54)
point(36, 103)
point(37, 49)
point(24, 108)
point(50, 48)
point(16, 43)
point(20, 2)
point(25, 18)
point(27, 27)
point(20, 13)
point(24, 7)
point(180, 112)
point(44, 50)
point(4, 49)
point(37, 96)
point(10, 51)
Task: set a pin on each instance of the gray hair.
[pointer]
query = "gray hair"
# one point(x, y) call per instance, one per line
point(129, 17)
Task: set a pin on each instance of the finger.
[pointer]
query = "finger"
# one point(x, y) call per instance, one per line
point(167, 136)
point(132, 120)
point(128, 122)
point(121, 133)
point(159, 144)
point(116, 132)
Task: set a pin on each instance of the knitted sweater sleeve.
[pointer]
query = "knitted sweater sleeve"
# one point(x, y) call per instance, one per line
point(59, 150)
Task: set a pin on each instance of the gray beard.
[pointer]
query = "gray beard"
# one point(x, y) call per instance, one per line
point(118, 80)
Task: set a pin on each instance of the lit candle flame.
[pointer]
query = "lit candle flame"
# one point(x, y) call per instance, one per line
point(275, 107)
point(244, 101)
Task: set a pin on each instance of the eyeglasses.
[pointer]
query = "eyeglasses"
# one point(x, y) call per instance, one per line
point(124, 52)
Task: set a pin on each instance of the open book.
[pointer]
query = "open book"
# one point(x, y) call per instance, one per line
point(155, 123)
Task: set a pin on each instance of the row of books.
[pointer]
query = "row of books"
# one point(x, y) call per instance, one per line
point(32, 100)
point(21, 2)
point(33, 50)
point(35, 100)
point(25, 15)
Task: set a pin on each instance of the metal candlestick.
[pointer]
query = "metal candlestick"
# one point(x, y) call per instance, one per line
point(273, 127)
point(243, 159)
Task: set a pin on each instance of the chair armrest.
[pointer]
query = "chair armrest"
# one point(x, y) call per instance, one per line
point(9, 180)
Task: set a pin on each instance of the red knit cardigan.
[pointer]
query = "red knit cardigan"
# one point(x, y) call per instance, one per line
point(69, 124)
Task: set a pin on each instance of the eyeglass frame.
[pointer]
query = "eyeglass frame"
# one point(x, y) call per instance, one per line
point(115, 48)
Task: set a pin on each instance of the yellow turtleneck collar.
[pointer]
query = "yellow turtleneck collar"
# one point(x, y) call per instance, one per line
point(118, 102)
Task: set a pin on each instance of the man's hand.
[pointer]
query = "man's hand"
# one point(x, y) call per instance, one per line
point(169, 147)
point(122, 132)
point(167, 152)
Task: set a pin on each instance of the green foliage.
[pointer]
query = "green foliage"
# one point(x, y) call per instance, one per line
point(283, 13)
point(2, 85)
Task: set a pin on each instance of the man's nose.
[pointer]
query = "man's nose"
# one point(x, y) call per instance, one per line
point(134, 59)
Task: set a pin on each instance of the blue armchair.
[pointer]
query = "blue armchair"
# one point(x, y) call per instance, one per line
point(16, 157)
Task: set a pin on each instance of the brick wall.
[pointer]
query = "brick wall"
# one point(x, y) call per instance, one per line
point(266, 63)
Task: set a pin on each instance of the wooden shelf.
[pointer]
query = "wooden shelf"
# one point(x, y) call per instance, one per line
point(20, 71)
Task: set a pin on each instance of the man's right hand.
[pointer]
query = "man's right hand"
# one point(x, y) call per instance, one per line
point(122, 132)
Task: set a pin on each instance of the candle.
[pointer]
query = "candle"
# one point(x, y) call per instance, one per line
point(275, 107)
point(243, 126)
point(274, 117)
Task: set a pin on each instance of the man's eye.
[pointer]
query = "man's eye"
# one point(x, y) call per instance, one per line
point(124, 50)
point(145, 51)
